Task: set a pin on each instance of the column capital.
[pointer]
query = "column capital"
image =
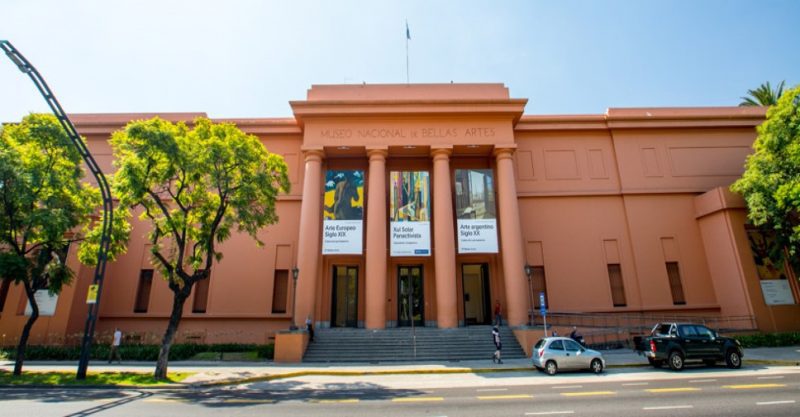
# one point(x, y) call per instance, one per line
point(313, 154)
point(504, 151)
point(378, 152)
point(441, 152)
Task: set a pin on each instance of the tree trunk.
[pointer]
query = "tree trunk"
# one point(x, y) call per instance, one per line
point(172, 327)
point(26, 331)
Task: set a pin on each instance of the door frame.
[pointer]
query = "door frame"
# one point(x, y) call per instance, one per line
point(334, 294)
point(486, 286)
point(421, 321)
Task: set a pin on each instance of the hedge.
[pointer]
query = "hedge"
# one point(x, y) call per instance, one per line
point(769, 339)
point(135, 352)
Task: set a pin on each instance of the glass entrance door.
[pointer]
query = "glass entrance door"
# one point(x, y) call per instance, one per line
point(345, 296)
point(477, 305)
point(410, 296)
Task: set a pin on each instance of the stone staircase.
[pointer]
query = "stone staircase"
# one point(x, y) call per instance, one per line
point(396, 344)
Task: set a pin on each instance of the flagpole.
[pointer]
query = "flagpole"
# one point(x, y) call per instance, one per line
point(407, 37)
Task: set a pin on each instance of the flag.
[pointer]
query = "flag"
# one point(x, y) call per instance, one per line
point(408, 32)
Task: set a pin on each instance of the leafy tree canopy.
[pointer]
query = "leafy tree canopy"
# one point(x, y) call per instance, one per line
point(771, 182)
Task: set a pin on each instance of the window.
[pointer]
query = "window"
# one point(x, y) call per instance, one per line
point(556, 345)
point(571, 346)
point(4, 293)
point(280, 291)
point(687, 331)
point(675, 285)
point(539, 284)
point(617, 286)
point(143, 292)
point(201, 295)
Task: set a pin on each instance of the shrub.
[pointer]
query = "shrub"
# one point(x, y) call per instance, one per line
point(133, 352)
point(769, 339)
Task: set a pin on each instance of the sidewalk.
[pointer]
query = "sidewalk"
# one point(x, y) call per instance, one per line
point(217, 372)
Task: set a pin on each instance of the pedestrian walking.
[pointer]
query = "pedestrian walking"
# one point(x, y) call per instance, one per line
point(498, 345)
point(498, 318)
point(310, 329)
point(115, 342)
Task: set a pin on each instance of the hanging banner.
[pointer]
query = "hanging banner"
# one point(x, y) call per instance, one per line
point(409, 213)
point(343, 214)
point(475, 211)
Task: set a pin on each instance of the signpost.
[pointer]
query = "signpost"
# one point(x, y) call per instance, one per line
point(543, 311)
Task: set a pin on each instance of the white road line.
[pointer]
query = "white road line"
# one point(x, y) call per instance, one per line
point(491, 389)
point(776, 402)
point(567, 386)
point(548, 413)
point(701, 380)
point(635, 383)
point(668, 407)
point(770, 377)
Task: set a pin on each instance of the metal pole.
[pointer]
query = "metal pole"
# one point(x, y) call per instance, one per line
point(108, 209)
point(530, 296)
point(295, 273)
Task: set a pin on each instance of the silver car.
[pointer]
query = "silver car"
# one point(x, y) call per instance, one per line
point(553, 354)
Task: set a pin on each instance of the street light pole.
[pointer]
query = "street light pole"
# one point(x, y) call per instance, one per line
point(295, 273)
point(528, 271)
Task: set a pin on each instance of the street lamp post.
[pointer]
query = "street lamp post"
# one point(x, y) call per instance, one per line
point(295, 273)
point(528, 271)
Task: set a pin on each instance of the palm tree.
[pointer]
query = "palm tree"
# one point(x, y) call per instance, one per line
point(764, 95)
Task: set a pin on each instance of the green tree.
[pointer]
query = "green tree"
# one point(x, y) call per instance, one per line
point(771, 181)
point(44, 207)
point(194, 185)
point(764, 95)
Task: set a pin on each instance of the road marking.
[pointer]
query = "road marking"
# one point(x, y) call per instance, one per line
point(754, 386)
point(776, 402)
point(668, 407)
point(567, 386)
point(630, 384)
point(491, 389)
point(416, 399)
point(661, 390)
point(547, 413)
point(691, 381)
point(770, 377)
point(586, 394)
point(164, 400)
point(246, 401)
point(344, 401)
point(504, 397)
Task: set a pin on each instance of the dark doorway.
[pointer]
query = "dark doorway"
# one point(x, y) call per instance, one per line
point(410, 296)
point(345, 296)
point(477, 302)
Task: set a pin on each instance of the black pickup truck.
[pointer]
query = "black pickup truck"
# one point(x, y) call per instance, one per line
point(676, 343)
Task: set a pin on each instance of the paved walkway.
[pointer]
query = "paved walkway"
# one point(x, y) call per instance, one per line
point(217, 372)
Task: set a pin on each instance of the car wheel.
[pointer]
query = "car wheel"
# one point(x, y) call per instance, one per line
point(675, 361)
point(733, 359)
point(551, 367)
point(597, 366)
point(655, 362)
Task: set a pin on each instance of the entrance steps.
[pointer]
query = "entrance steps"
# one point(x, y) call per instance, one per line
point(397, 344)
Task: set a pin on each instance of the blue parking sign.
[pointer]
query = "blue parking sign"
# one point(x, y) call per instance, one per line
point(542, 306)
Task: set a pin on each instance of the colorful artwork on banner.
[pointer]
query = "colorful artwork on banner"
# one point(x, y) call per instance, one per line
point(475, 211)
point(343, 214)
point(409, 213)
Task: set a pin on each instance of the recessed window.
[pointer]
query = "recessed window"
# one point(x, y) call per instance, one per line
point(201, 295)
point(617, 285)
point(280, 290)
point(143, 292)
point(675, 285)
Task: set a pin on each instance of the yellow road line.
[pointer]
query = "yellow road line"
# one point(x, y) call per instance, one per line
point(504, 397)
point(587, 394)
point(416, 399)
point(754, 386)
point(684, 389)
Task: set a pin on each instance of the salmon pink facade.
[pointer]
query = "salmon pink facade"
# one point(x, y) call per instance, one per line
point(427, 205)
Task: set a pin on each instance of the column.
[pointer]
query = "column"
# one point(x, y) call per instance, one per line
point(511, 239)
point(376, 240)
point(444, 240)
point(308, 249)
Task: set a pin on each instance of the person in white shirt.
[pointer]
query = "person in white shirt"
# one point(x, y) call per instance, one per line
point(115, 342)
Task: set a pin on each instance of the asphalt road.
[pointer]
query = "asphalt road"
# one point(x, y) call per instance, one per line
point(619, 393)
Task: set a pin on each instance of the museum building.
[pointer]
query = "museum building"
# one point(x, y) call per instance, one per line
point(428, 204)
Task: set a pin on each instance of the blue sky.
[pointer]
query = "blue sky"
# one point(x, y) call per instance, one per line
point(249, 58)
